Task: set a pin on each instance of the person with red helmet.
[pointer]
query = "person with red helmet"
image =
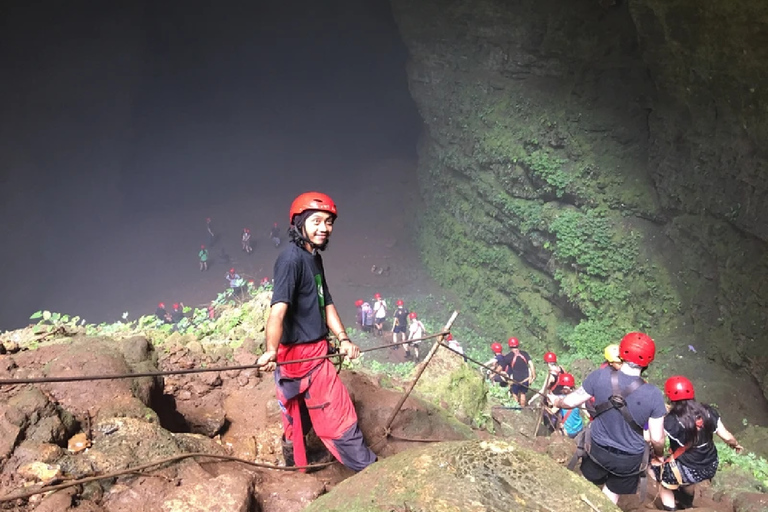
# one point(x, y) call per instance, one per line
point(554, 370)
point(274, 234)
point(455, 345)
point(416, 330)
point(379, 312)
point(177, 312)
point(399, 323)
point(499, 365)
point(359, 313)
point(245, 241)
point(566, 421)
point(613, 449)
point(690, 427)
point(519, 366)
point(203, 255)
point(301, 315)
point(236, 283)
point(162, 314)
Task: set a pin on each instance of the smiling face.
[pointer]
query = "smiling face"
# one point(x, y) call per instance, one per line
point(318, 228)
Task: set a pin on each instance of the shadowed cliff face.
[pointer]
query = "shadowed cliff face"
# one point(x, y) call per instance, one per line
point(588, 178)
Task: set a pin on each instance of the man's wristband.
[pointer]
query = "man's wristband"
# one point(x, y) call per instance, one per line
point(344, 339)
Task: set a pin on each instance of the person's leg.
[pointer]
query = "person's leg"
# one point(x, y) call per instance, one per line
point(667, 497)
point(335, 420)
point(611, 495)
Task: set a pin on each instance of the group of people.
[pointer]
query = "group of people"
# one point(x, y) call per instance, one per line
point(174, 316)
point(625, 437)
point(615, 445)
point(246, 243)
point(405, 324)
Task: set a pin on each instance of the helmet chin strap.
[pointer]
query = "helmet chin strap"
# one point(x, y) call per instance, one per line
point(300, 239)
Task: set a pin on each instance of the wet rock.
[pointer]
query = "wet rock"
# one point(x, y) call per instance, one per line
point(457, 476)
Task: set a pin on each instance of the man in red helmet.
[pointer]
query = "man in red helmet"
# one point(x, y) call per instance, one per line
point(379, 312)
point(416, 330)
point(301, 315)
point(614, 453)
point(162, 314)
point(519, 365)
point(499, 365)
point(554, 370)
point(399, 323)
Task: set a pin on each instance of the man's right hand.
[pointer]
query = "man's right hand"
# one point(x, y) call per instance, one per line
point(268, 361)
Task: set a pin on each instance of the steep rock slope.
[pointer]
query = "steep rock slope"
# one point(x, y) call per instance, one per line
point(561, 169)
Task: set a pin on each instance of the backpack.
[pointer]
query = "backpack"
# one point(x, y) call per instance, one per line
point(618, 401)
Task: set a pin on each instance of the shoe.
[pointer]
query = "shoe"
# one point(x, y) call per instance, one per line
point(288, 453)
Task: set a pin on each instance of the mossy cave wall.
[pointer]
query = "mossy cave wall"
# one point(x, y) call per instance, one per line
point(592, 167)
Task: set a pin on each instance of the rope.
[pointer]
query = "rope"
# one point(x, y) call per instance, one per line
point(136, 469)
point(80, 378)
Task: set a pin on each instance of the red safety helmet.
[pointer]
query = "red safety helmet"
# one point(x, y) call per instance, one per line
point(550, 357)
point(175, 305)
point(449, 337)
point(678, 388)
point(246, 230)
point(377, 296)
point(312, 201)
point(513, 342)
point(638, 348)
point(399, 302)
point(208, 219)
point(566, 379)
point(264, 280)
point(412, 315)
point(232, 270)
point(274, 225)
point(202, 247)
point(161, 305)
point(496, 347)
point(358, 303)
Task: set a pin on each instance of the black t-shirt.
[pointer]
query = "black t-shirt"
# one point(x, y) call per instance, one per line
point(702, 455)
point(610, 428)
point(516, 367)
point(401, 317)
point(161, 314)
point(300, 282)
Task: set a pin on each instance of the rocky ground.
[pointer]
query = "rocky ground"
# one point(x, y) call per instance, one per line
point(55, 432)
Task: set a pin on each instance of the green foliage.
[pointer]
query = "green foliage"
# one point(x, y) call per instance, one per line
point(401, 371)
point(755, 465)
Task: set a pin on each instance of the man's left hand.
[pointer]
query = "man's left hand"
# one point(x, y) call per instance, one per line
point(349, 349)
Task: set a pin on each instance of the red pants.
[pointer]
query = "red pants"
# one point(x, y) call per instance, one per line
point(330, 409)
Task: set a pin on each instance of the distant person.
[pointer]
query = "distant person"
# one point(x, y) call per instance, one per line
point(399, 323)
point(177, 312)
point(455, 345)
point(612, 359)
point(689, 426)
point(359, 313)
point(211, 234)
point(274, 234)
point(236, 282)
point(379, 312)
point(245, 241)
point(499, 366)
point(203, 255)
point(264, 282)
point(367, 315)
point(554, 370)
point(565, 421)
point(162, 314)
point(416, 330)
point(519, 366)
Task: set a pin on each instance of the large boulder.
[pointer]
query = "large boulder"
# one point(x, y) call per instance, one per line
point(464, 476)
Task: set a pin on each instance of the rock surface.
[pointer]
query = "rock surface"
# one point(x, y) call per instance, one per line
point(472, 476)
